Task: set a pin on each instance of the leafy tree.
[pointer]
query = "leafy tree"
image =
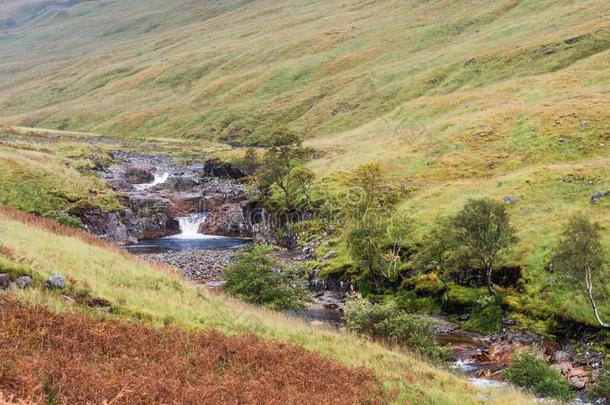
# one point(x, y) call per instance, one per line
point(481, 234)
point(257, 278)
point(581, 256)
point(300, 184)
point(284, 153)
point(372, 237)
point(435, 254)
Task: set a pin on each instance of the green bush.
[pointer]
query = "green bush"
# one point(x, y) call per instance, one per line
point(259, 279)
point(531, 371)
point(602, 389)
point(388, 323)
point(487, 315)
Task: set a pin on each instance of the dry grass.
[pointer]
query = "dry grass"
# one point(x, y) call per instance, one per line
point(71, 359)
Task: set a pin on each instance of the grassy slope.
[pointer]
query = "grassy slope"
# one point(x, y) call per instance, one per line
point(455, 97)
point(141, 291)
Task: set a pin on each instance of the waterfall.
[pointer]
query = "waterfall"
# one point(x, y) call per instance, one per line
point(158, 179)
point(189, 225)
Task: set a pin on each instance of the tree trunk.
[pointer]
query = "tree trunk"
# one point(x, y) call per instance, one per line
point(589, 280)
point(490, 285)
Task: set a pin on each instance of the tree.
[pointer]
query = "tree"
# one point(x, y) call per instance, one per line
point(436, 252)
point(300, 183)
point(481, 234)
point(581, 256)
point(284, 153)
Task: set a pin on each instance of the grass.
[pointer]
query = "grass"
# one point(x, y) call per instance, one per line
point(138, 290)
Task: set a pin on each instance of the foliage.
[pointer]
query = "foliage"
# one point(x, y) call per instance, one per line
point(259, 279)
point(373, 234)
point(531, 371)
point(487, 315)
point(388, 323)
point(581, 256)
point(481, 234)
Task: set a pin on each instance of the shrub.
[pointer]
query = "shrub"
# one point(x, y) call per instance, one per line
point(487, 315)
point(388, 323)
point(531, 371)
point(259, 279)
point(602, 389)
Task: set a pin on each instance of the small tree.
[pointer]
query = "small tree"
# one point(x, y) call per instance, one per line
point(481, 234)
point(284, 153)
point(257, 278)
point(580, 255)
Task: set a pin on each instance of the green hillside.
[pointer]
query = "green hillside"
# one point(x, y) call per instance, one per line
point(457, 99)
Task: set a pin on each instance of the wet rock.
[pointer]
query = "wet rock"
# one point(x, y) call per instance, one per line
point(5, 281)
point(56, 281)
point(138, 175)
point(107, 225)
point(186, 203)
point(24, 282)
point(218, 168)
point(226, 220)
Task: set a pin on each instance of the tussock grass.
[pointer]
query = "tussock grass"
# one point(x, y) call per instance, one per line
point(140, 291)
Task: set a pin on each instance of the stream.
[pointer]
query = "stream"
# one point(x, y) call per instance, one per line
point(202, 259)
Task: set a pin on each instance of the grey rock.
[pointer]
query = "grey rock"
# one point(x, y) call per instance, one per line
point(5, 281)
point(57, 280)
point(24, 281)
point(511, 199)
point(598, 196)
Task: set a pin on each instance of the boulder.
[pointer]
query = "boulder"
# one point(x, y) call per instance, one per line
point(186, 203)
point(56, 281)
point(5, 281)
point(24, 282)
point(598, 196)
point(138, 175)
point(226, 220)
point(218, 168)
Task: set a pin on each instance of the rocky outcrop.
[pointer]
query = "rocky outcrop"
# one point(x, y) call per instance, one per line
point(226, 220)
point(155, 193)
point(218, 168)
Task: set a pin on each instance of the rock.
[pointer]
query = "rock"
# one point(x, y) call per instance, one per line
point(218, 168)
point(226, 220)
point(138, 175)
point(5, 281)
point(24, 282)
point(57, 280)
point(561, 357)
point(578, 383)
point(309, 250)
point(598, 196)
point(511, 199)
point(186, 203)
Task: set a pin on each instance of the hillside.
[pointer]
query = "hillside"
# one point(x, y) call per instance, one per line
point(139, 291)
point(456, 99)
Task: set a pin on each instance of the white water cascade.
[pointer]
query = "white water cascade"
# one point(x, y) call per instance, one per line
point(189, 226)
point(159, 179)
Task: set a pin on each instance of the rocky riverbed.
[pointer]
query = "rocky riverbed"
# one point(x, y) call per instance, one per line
point(201, 266)
point(156, 193)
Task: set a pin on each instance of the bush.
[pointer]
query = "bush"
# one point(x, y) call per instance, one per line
point(388, 323)
point(259, 279)
point(531, 371)
point(602, 389)
point(487, 315)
